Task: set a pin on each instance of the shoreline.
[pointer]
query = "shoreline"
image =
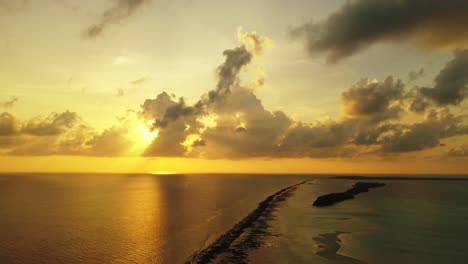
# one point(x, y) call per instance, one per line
point(247, 234)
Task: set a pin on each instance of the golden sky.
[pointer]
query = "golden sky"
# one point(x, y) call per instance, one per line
point(233, 86)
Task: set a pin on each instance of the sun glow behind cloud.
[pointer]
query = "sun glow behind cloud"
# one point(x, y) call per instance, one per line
point(143, 134)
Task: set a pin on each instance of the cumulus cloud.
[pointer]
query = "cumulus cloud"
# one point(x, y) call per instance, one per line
point(373, 99)
point(438, 124)
point(242, 127)
point(54, 124)
point(64, 134)
point(230, 121)
point(359, 24)
point(227, 75)
point(118, 12)
point(451, 84)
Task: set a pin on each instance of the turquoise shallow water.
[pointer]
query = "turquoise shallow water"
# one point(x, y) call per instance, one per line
point(403, 222)
point(164, 219)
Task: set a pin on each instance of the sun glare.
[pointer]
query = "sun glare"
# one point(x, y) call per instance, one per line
point(144, 134)
point(161, 172)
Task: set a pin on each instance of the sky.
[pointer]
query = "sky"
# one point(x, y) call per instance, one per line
point(187, 86)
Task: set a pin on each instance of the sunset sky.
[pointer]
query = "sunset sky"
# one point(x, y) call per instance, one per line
point(187, 86)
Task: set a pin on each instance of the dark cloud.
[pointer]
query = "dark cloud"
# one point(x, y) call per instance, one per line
point(227, 75)
point(360, 23)
point(372, 99)
point(451, 84)
point(54, 124)
point(438, 124)
point(419, 104)
point(323, 139)
point(9, 103)
point(119, 11)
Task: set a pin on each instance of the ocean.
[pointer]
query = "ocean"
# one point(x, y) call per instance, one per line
point(116, 218)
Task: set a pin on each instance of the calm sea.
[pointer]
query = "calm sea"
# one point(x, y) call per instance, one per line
point(104, 218)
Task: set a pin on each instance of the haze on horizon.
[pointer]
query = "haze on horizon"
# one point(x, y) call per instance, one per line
point(363, 86)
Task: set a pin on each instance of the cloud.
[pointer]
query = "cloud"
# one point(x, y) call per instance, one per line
point(139, 81)
point(118, 12)
point(322, 139)
point(359, 24)
point(241, 127)
point(373, 99)
point(120, 92)
point(54, 124)
point(244, 128)
point(231, 122)
point(176, 124)
point(228, 77)
point(438, 124)
point(415, 75)
point(419, 104)
point(451, 84)
point(111, 142)
point(461, 151)
point(9, 103)
point(37, 136)
point(8, 124)
point(65, 134)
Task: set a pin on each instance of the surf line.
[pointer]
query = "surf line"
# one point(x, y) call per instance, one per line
point(247, 234)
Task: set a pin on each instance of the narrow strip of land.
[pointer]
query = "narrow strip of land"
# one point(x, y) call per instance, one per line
point(248, 234)
point(333, 198)
point(399, 178)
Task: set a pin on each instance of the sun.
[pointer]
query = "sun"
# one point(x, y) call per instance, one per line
point(143, 134)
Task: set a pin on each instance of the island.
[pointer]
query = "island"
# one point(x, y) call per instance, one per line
point(333, 198)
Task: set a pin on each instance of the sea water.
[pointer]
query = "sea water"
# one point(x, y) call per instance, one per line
point(110, 218)
point(406, 221)
point(106, 218)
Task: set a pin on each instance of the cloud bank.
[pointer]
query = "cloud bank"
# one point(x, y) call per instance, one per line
point(231, 122)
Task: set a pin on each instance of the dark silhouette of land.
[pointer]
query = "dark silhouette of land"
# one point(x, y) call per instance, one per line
point(333, 198)
point(398, 178)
